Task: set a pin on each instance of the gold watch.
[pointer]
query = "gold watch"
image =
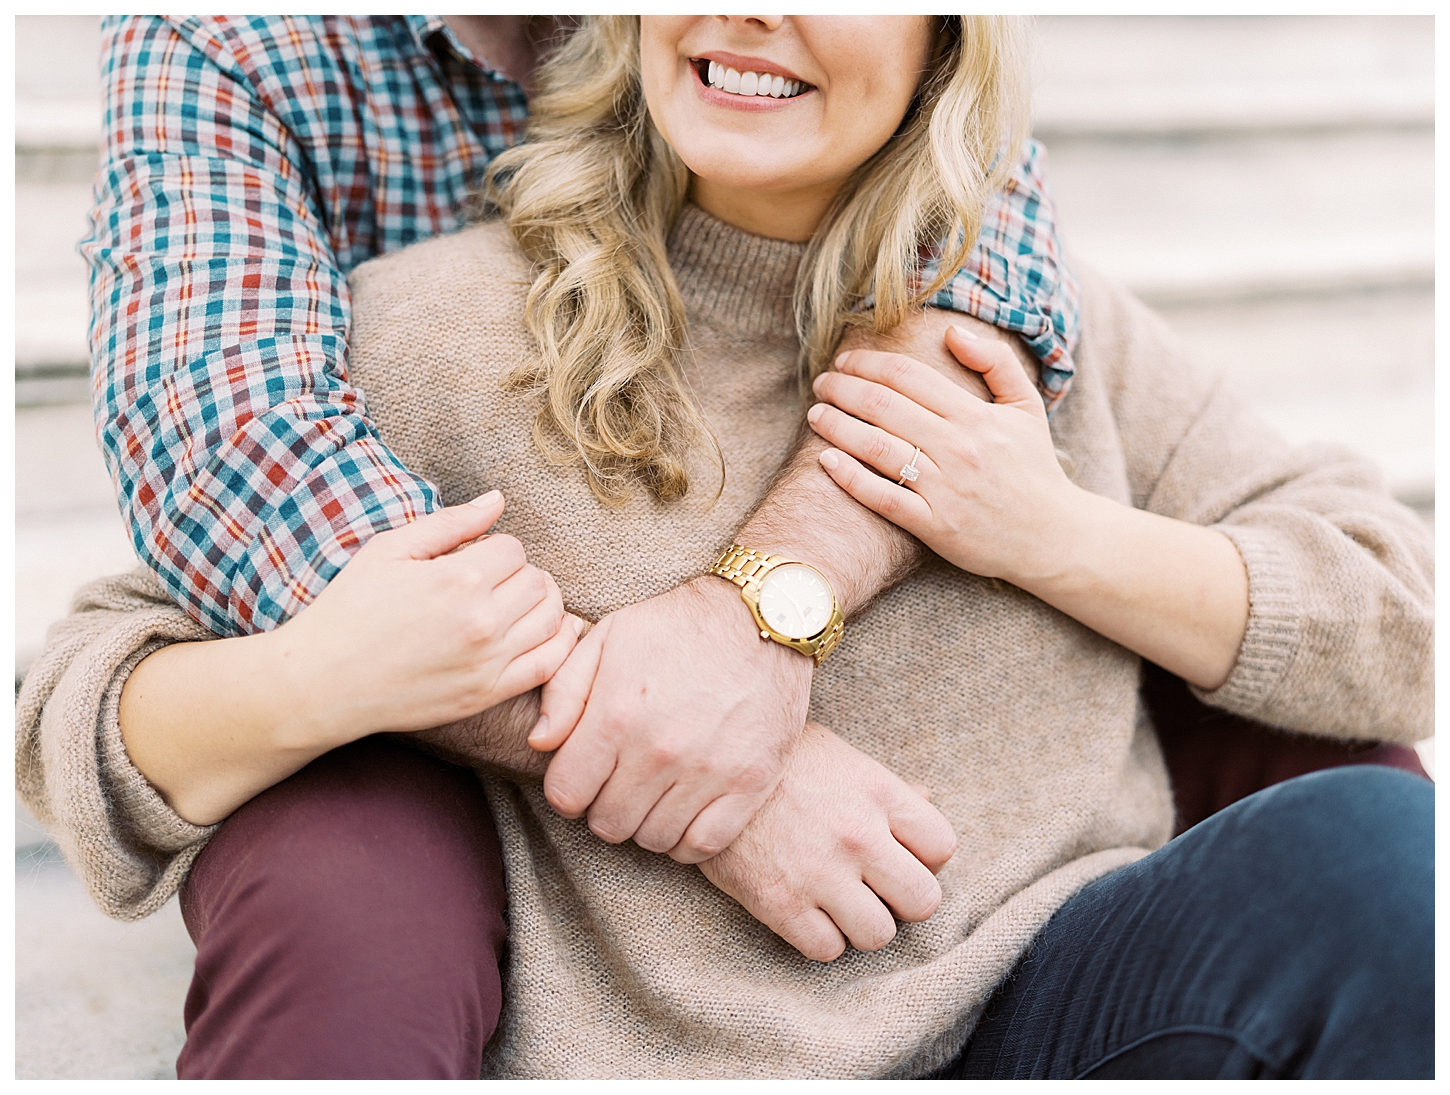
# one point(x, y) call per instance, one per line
point(792, 602)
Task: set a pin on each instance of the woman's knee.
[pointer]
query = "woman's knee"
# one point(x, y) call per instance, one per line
point(1348, 851)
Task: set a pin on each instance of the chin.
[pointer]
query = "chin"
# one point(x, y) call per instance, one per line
point(741, 169)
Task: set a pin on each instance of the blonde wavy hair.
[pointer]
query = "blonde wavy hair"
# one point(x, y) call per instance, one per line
point(593, 194)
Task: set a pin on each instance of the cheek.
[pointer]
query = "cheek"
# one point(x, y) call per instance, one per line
point(657, 64)
point(880, 63)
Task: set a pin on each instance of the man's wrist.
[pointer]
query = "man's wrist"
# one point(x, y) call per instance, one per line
point(727, 616)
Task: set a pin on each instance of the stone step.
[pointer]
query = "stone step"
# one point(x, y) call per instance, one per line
point(1112, 78)
point(95, 999)
point(68, 530)
point(1240, 219)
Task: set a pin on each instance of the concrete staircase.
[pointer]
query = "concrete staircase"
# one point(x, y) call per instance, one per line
point(1266, 183)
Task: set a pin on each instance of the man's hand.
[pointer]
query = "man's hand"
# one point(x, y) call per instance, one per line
point(680, 715)
point(684, 718)
point(842, 850)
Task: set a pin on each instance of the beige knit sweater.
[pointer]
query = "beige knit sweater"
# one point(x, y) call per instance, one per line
point(1026, 726)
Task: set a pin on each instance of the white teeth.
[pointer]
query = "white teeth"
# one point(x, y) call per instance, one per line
point(751, 83)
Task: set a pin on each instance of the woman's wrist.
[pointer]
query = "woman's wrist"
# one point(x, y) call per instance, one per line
point(298, 697)
point(1170, 590)
point(1067, 538)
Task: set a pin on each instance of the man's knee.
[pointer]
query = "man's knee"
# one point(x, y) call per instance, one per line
point(368, 842)
point(349, 921)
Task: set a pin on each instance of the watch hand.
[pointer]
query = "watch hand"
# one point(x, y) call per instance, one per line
point(799, 614)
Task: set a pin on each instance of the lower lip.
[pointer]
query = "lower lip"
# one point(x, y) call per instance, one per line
point(716, 97)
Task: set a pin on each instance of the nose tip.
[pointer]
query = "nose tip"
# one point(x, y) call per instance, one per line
point(764, 22)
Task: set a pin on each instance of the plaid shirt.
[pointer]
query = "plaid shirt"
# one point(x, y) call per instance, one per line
point(250, 164)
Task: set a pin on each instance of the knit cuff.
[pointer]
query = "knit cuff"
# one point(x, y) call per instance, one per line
point(138, 812)
point(1272, 636)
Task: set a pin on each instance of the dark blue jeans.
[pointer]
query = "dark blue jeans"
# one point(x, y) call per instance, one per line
point(1291, 935)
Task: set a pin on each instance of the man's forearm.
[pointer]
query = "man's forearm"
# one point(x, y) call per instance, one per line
point(495, 740)
point(806, 516)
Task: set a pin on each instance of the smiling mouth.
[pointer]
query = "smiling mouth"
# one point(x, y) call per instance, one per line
point(753, 85)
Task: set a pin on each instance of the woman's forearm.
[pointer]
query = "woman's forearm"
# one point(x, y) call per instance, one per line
point(988, 494)
point(212, 724)
point(1174, 592)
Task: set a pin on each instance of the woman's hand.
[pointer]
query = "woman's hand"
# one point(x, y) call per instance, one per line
point(424, 627)
point(990, 496)
point(429, 623)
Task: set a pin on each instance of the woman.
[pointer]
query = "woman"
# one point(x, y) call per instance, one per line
point(659, 203)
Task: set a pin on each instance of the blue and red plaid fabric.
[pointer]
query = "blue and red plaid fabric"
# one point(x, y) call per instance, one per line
point(250, 164)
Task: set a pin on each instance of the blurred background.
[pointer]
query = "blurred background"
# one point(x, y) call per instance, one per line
point(1267, 183)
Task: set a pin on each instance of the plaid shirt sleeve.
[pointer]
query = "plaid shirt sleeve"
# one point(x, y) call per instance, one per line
point(246, 467)
point(1015, 277)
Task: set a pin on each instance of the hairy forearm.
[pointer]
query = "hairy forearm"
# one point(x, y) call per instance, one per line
point(493, 741)
point(806, 516)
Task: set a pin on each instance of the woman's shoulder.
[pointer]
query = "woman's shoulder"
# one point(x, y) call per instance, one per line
point(482, 258)
point(443, 311)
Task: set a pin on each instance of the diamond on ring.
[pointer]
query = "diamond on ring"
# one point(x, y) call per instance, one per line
point(909, 472)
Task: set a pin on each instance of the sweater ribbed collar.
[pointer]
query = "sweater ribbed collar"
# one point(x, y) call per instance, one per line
point(733, 279)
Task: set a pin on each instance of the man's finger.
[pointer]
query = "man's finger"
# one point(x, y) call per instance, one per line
point(582, 765)
point(900, 880)
point(861, 916)
point(921, 830)
point(567, 692)
point(716, 826)
point(625, 799)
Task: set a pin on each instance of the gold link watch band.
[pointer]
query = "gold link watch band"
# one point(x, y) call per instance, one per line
point(747, 569)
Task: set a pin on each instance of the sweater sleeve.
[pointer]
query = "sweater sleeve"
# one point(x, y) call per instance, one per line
point(1339, 640)
point(130, 849)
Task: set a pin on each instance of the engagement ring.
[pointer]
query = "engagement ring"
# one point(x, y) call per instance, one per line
point(909, 472)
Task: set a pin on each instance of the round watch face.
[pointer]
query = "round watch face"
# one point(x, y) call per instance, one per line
point(795, 600)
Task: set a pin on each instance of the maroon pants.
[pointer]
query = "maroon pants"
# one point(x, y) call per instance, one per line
point(349, 924)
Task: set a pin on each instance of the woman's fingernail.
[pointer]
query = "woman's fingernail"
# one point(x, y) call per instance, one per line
point(578, 624)
point(839, 359)
point(817, 409)
point(964, 332)
point(487, 499)
point(829, 460)
point(540, 728)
